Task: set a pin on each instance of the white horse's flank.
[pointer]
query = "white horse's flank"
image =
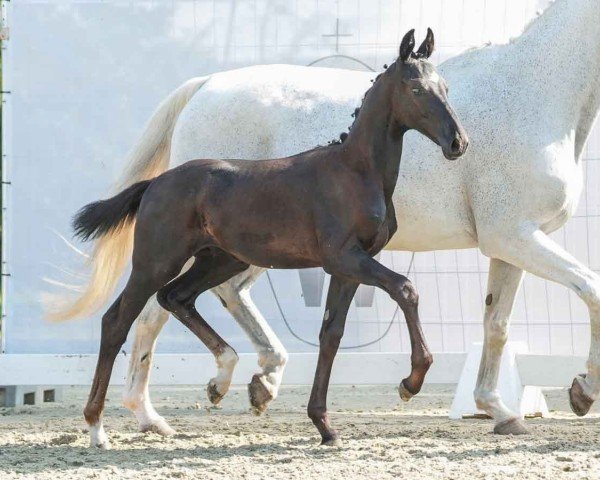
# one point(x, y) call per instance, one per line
point(528, 107)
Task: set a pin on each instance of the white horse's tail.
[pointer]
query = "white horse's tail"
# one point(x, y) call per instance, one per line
point(148, 158)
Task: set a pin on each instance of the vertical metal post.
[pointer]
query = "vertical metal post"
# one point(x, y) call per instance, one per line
point(5, 6)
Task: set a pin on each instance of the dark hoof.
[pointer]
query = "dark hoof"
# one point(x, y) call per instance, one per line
point(333, 441)
point(259, 395)
point(580, 401)
point(405, 393)
point(512, 426)
point(213, 394)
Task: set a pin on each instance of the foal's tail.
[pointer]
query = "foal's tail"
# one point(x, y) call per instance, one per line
point(148, 159)
point(100, 218)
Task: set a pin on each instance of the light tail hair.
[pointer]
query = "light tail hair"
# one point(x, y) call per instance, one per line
point(148, 159)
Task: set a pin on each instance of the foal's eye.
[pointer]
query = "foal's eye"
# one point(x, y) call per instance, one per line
point(417, 91)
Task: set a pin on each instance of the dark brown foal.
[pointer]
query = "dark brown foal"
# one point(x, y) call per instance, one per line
point(330, 207)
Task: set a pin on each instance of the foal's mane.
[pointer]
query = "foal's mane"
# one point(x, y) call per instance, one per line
point(344, 135)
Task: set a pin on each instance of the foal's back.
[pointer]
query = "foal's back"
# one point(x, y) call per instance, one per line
point(262, 212)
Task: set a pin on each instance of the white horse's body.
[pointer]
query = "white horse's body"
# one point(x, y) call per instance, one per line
point(528, 108)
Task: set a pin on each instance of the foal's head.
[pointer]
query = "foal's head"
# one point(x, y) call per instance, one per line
point(420, 99)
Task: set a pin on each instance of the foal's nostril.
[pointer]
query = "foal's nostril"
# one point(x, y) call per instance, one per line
point(456, 146)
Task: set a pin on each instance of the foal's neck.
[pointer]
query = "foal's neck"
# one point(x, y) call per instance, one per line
point(375, 140)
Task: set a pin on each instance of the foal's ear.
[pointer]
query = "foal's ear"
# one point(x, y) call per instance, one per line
point(407, 45)
point(426, 48)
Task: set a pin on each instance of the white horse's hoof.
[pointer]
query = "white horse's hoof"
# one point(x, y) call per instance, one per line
point(512, 426)
point(259, 394)
point(212, 391)
point(580, 401)
point(405, 395)
point(159, 426)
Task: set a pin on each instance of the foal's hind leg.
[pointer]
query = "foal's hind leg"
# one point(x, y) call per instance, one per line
point(272, 356)
point(115, 326)
point(178, 297)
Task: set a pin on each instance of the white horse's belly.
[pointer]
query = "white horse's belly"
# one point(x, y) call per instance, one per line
point(423, 228)
point(525, 186)
point(431, 206)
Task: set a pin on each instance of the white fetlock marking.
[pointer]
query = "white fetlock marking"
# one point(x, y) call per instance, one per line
point(98, 437)
point(226, 363)
point(272, 356)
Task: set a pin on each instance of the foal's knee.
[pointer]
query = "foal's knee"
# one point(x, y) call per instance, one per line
point(331, 336)
point(406, 295)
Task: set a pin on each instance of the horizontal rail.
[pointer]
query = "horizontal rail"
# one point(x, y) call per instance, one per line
point(349, 369)
point(189, 369)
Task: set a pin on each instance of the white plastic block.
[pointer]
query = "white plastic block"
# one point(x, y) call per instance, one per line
point(521, 399)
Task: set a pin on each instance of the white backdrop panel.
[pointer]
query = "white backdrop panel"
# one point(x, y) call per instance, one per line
point(84, 76)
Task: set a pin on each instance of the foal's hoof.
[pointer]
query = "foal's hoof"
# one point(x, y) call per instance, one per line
point(260, 396)
point(332, 441)
point(580, 401)
point(512, 426)
point(159, 426)
point(214, 396)
point(405, 393)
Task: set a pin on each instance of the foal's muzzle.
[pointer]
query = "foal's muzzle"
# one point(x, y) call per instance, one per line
point(456, 147)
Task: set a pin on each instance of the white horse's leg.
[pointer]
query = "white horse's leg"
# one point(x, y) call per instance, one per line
point(503, 283)
point(538, 254)
point(272, 356)
point(136, 396)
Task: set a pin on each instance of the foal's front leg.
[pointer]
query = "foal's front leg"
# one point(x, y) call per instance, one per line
point(359, 266)
point(350, 268)
point(339, 297)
